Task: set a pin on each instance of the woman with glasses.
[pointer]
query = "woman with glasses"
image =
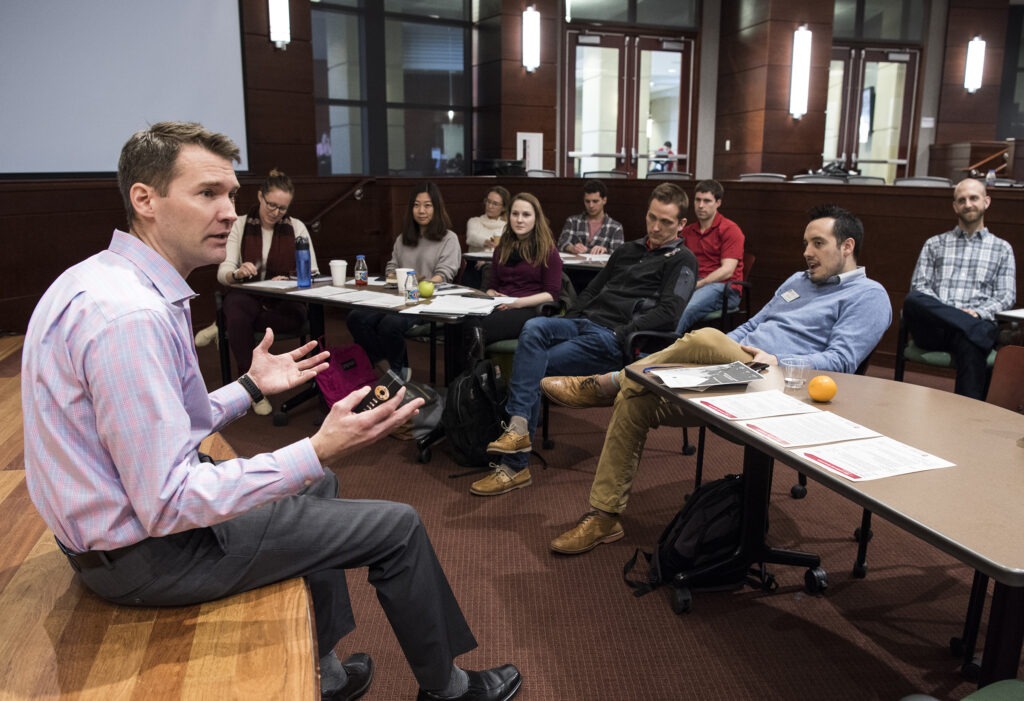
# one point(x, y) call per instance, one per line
point(484, 232)
point(427, 245)
point(261, 246)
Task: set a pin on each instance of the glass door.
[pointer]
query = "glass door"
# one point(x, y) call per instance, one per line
point(629, 104)
point(871, 108)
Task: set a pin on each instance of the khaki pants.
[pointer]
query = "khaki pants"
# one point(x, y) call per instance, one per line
point(638, 410)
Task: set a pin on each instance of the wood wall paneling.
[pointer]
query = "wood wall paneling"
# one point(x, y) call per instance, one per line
point(963, 116)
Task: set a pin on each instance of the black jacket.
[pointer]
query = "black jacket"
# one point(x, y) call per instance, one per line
point(640, 290)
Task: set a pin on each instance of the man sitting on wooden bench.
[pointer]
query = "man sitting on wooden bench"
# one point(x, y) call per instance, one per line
point(115, 408)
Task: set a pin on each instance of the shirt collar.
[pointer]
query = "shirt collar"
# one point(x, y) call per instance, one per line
point(980, 233)
point(859, 271)
point(674, 243)
point(165, 278)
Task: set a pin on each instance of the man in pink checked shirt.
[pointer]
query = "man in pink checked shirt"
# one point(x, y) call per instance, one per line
point(115, 408)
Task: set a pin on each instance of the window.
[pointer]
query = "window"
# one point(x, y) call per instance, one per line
point(676, 14)
point(391, 86)
point(879, 20)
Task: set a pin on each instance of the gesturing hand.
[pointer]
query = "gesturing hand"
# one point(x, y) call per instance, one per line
point(343, 431)
point(277, 373)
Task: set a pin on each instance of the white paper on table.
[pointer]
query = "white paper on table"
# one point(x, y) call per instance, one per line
point(1012, 314)
point(272, 284)
point(322, 292)
point(808, 429)
point(375, 299)
point(455, 305)
point(872, 458)
point(754, 405)
point(597, 257)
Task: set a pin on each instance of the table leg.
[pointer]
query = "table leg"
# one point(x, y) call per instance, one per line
point(1005, 635)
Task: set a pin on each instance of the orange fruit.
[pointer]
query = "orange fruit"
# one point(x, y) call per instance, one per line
point(822, 388)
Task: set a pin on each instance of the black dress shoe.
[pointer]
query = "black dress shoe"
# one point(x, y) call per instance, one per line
point(498, 684)
point(360, 673)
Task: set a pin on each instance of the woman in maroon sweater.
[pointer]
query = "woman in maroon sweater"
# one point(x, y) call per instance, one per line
point(525, 266)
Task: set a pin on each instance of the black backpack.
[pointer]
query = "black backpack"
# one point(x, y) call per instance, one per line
point(706, 531)
point(474, 410)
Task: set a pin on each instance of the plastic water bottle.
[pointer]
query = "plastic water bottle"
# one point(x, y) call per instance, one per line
point(412, 288)
point(302, 271)
point(361, 273)
point(990, 178)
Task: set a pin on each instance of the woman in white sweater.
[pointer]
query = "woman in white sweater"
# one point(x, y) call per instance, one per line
point(428, 246)
point(484, 232)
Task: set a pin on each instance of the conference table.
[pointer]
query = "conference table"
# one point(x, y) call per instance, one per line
point(316, 299)
point(974, 510)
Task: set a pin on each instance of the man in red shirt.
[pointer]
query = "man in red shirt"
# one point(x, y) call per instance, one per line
point(718, 244)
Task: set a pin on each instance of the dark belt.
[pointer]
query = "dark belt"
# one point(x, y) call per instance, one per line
point(95, 558)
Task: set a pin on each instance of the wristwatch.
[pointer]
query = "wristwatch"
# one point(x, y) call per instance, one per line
point(251, 388)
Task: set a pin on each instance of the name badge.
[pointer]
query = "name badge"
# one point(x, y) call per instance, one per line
point(790, 295)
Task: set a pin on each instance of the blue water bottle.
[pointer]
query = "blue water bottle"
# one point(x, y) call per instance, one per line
point(302, 271)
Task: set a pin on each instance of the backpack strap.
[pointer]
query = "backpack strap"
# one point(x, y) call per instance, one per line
point(640, 586)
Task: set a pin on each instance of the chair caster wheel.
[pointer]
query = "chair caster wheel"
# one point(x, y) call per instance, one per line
point(860, 571)
point(816, 580)
point(798, 491)
point(423, 456)
point(682, 601)
point(689, 450)
point(280, 418)
point(971, 670)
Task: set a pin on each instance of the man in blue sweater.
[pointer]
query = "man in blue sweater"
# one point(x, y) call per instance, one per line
point(831, 314)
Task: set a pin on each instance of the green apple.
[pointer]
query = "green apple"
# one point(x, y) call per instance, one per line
point(426, 289)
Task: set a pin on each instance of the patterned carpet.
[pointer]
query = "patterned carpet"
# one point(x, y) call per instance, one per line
point(574, 628)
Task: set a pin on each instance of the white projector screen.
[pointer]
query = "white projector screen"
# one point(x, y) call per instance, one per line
point(78, 77)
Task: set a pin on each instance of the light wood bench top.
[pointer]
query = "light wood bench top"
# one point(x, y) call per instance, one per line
point(60, 641)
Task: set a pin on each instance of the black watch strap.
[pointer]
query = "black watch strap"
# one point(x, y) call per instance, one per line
point(251, 388)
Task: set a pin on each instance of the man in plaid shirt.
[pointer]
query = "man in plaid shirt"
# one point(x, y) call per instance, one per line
point(963, 277)
point(591, 231)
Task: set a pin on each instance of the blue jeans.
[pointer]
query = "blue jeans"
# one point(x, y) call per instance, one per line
point(555, 346)
point(703, 301)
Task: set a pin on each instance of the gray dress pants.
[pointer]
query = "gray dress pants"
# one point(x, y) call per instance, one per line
point(317, 536)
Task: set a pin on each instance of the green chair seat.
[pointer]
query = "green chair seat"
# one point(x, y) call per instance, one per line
point(942, 359)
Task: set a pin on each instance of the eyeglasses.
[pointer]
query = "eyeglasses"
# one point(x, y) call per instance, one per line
point(274, 207)
point(494, 203)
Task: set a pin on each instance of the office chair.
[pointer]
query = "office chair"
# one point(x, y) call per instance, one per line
point(538, 173)
point(607, 174)
point(908, 351)
point(819, 179)
point(923, 181)
point(762, 177)
point(865, 180)
point(669, 175)
point(226, 375)
point(726, 315)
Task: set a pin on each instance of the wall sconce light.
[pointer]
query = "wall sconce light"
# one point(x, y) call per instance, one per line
point(280, 23)
point(531, 39)
point(800, 77)
point(975, 64)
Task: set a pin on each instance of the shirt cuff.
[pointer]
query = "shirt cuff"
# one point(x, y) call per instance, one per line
point(300, 463)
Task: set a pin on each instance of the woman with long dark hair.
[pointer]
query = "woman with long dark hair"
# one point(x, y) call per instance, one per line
point(427, 245)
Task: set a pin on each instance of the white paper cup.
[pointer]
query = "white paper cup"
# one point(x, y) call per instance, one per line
point(402, 274)
point(339, 271)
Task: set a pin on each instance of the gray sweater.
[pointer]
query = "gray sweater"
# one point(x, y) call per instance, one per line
point(429, 258)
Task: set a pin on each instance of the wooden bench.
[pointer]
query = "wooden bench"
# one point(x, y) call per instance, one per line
point(60, 641)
